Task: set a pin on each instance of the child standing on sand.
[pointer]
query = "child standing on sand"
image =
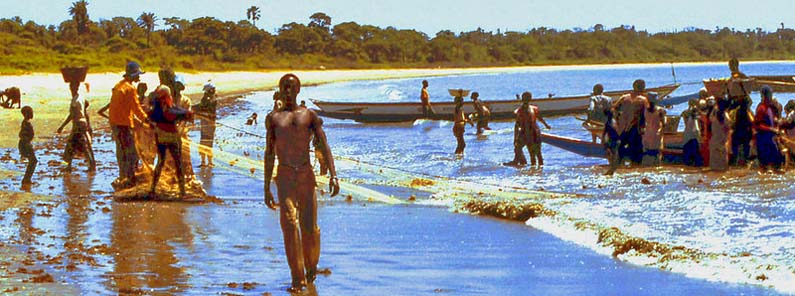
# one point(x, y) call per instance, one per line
point(25, 147)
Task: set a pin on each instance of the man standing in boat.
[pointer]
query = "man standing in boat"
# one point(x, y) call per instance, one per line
point(738, 87)
point(289, 133)
point(596, 108)
point(629, 109)
point(425, 97)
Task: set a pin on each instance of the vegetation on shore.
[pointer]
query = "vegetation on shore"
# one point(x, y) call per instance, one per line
point(208, 44)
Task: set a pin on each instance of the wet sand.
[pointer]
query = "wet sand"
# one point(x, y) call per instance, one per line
point(79, 241)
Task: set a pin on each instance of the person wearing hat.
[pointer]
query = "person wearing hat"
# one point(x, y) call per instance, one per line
point(124, 113)
point(766, 131)
point(459, 123)
point(629, 109)
point(207, 116)
point(527, 133)
point(654, 121)
point(597, 106)
point(184, 102)
point(289, 134)
point(692, 134)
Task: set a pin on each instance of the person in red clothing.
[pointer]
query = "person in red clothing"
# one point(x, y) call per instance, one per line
point(165, 114)
point(766, 131)
point(706, 105)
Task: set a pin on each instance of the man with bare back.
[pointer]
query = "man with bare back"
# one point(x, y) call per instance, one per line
point(289, 133)
point(629, 112)
point(527, 133)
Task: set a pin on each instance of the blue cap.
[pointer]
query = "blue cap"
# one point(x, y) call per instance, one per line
point(766, 91)
point(133, 69)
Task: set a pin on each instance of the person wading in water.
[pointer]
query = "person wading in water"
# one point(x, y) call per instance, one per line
point(289, 133)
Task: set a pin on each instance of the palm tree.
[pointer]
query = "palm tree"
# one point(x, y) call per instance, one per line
point(79, 13)
point(252, 13)
point(147, 22)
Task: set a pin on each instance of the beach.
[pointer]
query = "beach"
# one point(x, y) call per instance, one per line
point(73, 238)
point(382, 235)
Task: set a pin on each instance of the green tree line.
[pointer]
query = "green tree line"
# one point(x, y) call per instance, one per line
point(207, 43)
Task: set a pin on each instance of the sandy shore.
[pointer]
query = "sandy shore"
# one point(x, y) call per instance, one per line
point(49, 95)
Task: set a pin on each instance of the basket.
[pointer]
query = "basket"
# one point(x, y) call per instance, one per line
point(74, 74)
point(716, 87)
point(458, 92)
point(671, 124)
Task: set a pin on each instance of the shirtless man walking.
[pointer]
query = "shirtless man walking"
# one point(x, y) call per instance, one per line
point(289, 132)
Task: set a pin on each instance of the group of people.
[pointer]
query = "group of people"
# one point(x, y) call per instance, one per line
point(136, 121)
point(720, 128)
point(527, 133)
point(721, 131)
point(164, 115)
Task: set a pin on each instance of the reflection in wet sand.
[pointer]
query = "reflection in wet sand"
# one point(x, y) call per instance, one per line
point(144, 236)
point(77, 189)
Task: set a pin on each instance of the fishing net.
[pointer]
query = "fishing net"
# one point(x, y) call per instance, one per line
point(168, 185)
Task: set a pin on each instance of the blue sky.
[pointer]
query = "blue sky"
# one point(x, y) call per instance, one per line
point(430, 17)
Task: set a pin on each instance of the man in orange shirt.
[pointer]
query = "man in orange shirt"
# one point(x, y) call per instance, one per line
point(124, 108)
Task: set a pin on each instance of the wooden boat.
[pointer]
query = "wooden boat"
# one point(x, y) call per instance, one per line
point(672, 137)
point(500, 109)
point(591, 149)
point(779, 83)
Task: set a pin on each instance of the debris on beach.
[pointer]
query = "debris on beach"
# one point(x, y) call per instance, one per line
point(167, 190)
point(505, 209)
point(420, 182)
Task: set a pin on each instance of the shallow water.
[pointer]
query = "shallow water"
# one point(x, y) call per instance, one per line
point(107, 247)
point(732, 214)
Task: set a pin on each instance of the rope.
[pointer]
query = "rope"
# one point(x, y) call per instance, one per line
point(378, 167)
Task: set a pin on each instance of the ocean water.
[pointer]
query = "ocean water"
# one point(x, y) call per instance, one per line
point(737, 227)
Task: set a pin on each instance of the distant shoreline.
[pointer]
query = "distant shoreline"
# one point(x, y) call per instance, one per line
point(49, 95)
